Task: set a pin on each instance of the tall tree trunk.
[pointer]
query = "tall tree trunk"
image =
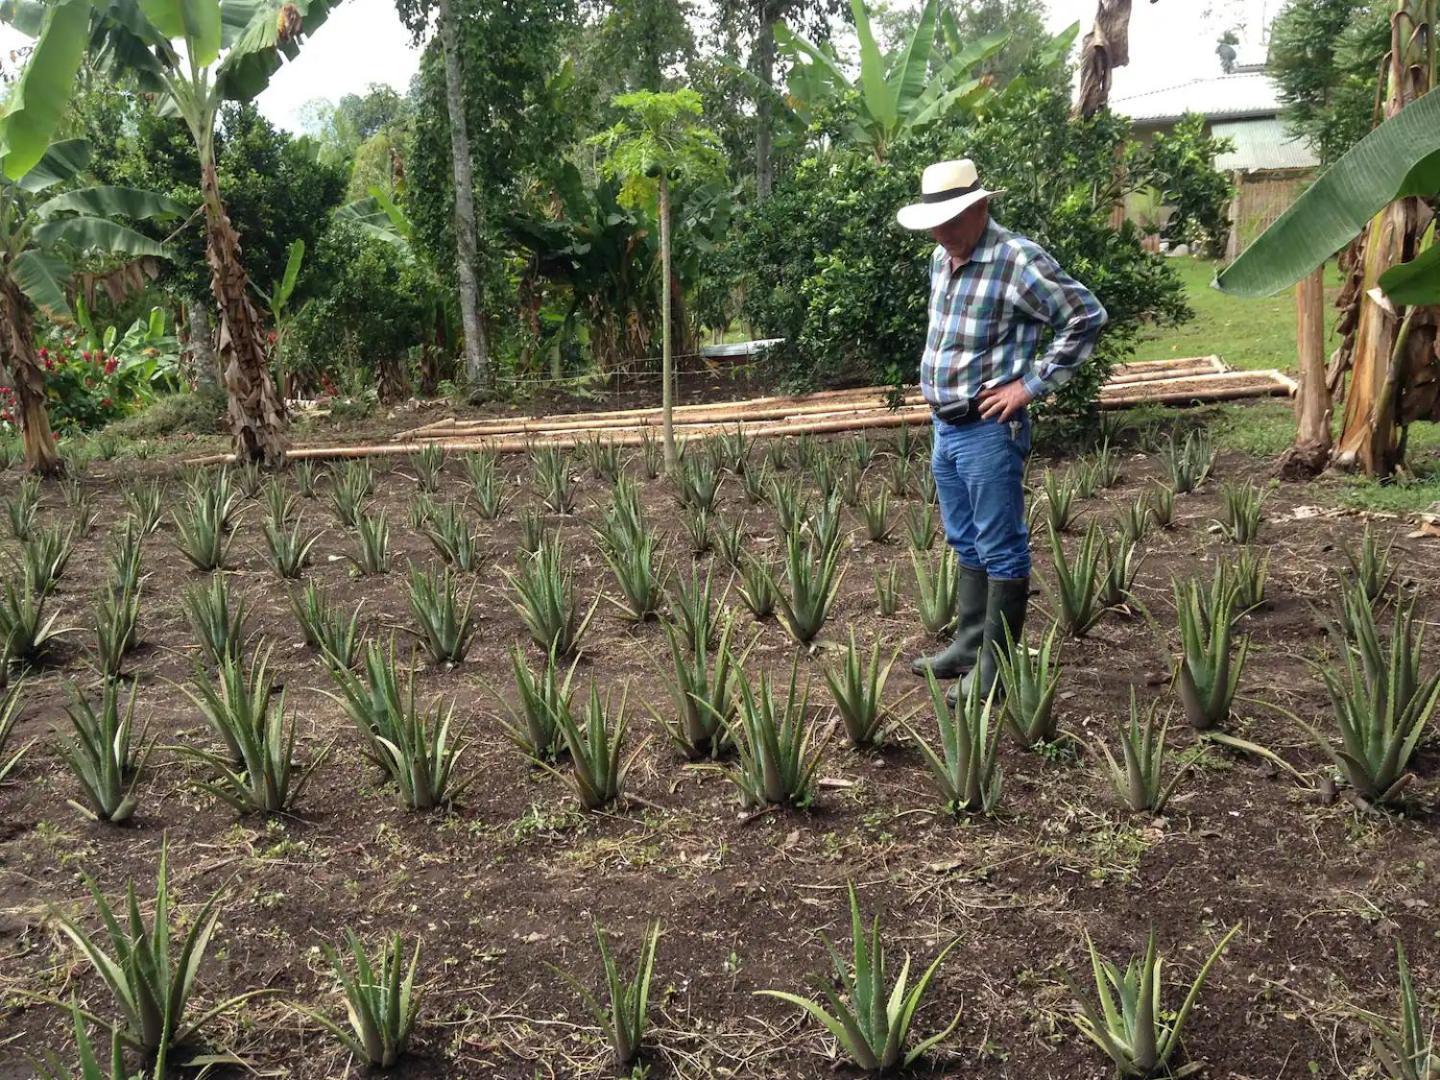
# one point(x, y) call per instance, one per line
point(1381, 343)
point(202, 344)
point(764, 114)
point(1311, 452)
point(256, 411)
point(477, 347)
point(1104, 48)
point(667, 373)
point(42, 455)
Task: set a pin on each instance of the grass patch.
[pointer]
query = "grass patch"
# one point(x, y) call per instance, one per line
point(1245, 333)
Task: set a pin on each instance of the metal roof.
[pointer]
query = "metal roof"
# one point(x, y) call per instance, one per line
point(1261, 143)
point(1216, 97)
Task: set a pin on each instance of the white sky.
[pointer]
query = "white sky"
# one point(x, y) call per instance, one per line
point(363, 42)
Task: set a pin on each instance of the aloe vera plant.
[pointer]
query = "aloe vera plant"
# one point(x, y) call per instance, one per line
point(639, 571)
point(1209, 669)
point(698, 483)
point(1188, 462)
point(307, 479)
point(1133, 519)
point(598, 762)
point(812, 578)
point(151, 970)
point(756, 588)
point(10, 702)
point(695, 521)
point(216, 620)
point(887, 590)
point(376, 699)
point(755, 483)
point(1240, 512)
point(203, 528)
point(26, 634)
point(1122, 563)
point(421, 756)
point(875, 512)
point(964, 765)
point(90, 1066)
point(1382, 706)
point(779, 754)
point(1404, 1049)
point(1077, 590)
point(105, 753)
point(457, 543)
point(547, 604)
point(869, 1017)
point(1060, 494)
point(125, 556)
point(1139, 777)
point(44, 555)
point(288, 547)
point(920, 526)
point(553, 479)
point(429, 465)
point(1030, 679)
point(117, 619)
point(485, 485)
point(325, 627)
point(236, 700)
point(22, 510)
point(1162, 505)
point(936, 592)
point(857, 687)
point(1371, 566)
point(145, 502)
point(1127, 1018)
point(447, 623)
point(382, 1002)
point(352, 484)
point(624, 1014)
point(281, 507)
point(534, 727)
point(704, 692)
point(267, 779)
point(692, 608)
point(372, 544)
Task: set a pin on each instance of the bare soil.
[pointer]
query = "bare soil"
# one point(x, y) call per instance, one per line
point(510, 879)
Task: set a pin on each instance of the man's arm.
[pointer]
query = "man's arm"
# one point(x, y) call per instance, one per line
point(1046, 293)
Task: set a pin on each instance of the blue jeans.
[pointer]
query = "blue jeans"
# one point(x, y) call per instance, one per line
point(979, 476)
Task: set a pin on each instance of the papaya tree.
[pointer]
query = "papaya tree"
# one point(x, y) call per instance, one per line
point(195, 55)
point(47, 239)
point(661, 141)
point(1377, 202)
point(895, 93)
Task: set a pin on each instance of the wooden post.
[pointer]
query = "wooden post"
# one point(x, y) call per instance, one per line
point(1311, 452)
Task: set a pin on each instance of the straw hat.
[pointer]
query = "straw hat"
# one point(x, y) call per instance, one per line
point(947, 189)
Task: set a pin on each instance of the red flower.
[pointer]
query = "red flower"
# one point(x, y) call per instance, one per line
point(44, 353)
point(111, 365)
point(85, 355)
point(105, 403)
point(49, 364)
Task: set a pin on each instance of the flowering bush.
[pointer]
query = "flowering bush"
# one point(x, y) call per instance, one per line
point(94, 378)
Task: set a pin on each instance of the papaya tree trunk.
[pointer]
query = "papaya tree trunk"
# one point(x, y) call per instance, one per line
point(256, 411)
point(764, 108)
point(1373, 347)
point(667, 360)
point(42, 455)
point(1311, 452)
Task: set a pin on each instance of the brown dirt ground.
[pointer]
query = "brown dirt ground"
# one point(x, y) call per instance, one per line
point(510, 879)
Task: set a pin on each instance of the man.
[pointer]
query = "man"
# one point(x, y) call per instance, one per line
point(994, 296)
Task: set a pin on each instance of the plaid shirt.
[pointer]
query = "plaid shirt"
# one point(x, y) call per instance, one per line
point(987, 318)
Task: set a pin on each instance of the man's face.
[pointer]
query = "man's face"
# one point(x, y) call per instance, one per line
point(961, 233)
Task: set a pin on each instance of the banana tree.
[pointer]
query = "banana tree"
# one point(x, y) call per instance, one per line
point(196, 55)
point(277, 303)
point(1378, 199)
point(896, 93)
point(46, 241)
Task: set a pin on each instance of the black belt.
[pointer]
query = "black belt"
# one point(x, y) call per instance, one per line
point(956, 413)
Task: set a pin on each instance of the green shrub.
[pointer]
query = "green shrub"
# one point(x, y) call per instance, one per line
point(189, 412)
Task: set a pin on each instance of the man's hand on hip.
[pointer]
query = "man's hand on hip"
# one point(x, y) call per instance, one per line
point(1004, 401)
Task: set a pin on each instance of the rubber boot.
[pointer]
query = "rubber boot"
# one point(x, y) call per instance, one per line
point(971, 597)
point(1007, 602)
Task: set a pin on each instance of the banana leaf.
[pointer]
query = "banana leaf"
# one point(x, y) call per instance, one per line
point(1416, 281)
point(91, 234)
point(1400, 157)
point(104, 201)
point(42, 278)
point(39, 97)
point(62, 161)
